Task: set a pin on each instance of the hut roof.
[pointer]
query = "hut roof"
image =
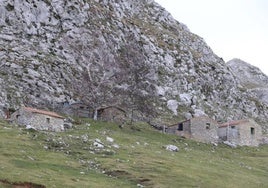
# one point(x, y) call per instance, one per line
point(233, 123)
point(49, 113)
point(203, 117)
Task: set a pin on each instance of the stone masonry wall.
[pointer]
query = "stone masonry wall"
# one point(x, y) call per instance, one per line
point(204, 129)
point(38, 121)
point(246, 137)
point(248, 133)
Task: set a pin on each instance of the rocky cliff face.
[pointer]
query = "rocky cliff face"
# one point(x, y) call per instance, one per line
point(131, 54)
point(251, 78)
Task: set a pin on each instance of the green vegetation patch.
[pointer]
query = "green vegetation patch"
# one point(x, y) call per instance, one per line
point(136, 156)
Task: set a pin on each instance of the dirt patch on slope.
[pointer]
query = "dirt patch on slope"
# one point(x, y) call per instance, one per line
point(21, 184)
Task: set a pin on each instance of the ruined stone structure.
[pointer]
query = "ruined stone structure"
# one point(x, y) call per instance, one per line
point(77, 109)
point(38, 119)
point(242, 132)
point(203, 129)
point(112, 113)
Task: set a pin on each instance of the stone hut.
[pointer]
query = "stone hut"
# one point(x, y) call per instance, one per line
point(112, 113)
point(242, 132)
point(80, 109)
point(38, 119)
point(77, 109)
point(202, 128)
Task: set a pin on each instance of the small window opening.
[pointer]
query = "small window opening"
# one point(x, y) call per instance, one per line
point(252, 130)
point(48, 120)
point(17, 116)
point(207, 125)
point(232, 127)
point(180, 127)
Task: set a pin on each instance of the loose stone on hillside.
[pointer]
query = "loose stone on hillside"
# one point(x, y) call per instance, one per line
point(172, 148)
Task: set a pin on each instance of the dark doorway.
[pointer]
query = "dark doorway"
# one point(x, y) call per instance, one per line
point(180, 127)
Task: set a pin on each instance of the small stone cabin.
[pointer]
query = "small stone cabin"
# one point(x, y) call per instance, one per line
point(112, 113)
point(81, 110)
point(242, 132)
point(38, 119)
point(77, 109)
point(202, 128)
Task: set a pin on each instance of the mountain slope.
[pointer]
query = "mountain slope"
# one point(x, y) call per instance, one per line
point(251, 78)
point(131, 54)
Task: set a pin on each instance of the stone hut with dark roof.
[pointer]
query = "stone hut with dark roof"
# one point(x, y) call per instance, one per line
point(38, 119)
point(202, 128)
point(242, 132)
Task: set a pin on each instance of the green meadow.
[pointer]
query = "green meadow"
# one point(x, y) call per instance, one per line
point(132, 156)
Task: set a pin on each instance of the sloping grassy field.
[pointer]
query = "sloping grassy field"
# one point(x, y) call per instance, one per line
point(137, 157)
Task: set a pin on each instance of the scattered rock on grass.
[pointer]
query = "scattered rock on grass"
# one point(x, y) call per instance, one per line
point(172, 148)
point(97, 143)
point(30, 127)
point(109, 139)
point(116, 146)
point(232, 145)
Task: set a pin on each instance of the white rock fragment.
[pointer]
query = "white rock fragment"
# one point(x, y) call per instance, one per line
point(232, 145)
point(84, 138)
point(97, 140)
point(116, 146)
point(146, 144)
point(30, 127)
point(172, 148)
point(31, 158)
point(98, 145)
point(109, 139)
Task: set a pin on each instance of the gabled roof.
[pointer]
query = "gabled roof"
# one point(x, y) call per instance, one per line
point(34, 110)
point(116, 107)
point(203, 117)
point(233, 123)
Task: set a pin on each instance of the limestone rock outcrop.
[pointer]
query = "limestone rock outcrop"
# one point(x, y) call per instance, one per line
point(252, 78)
point(132, 53)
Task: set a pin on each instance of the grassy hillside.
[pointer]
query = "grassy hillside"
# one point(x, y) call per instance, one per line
point(136, 157)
